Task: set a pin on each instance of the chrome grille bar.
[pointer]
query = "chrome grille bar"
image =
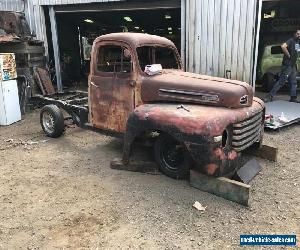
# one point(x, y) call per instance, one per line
point(249, 121)
point(245, 129)
point(246, 132)
point(249, 133)
point(241, 148)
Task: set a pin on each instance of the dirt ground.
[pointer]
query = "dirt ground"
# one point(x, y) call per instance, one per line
point(62, 194)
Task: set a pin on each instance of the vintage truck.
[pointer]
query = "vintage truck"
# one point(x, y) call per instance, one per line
point(194, 121)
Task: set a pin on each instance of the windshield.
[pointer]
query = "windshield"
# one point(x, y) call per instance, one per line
point(157, 55)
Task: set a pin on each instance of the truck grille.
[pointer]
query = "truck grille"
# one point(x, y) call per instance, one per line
point(246, 132)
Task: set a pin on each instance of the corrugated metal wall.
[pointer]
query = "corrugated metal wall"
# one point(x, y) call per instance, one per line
point(61, 2)
point(35, 14)
point(12, 5)
point(220, 37)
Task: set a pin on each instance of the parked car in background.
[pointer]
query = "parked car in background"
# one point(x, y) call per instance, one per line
point(270, 66)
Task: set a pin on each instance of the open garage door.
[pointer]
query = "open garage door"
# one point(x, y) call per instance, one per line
point(78, 25)
point(120, 5)
point(220, 37)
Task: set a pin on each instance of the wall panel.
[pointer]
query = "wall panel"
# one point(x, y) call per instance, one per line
point(220, 37)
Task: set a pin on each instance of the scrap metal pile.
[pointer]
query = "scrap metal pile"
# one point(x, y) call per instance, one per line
point(16, 37)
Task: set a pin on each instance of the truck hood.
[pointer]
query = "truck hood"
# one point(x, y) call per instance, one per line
point(194, 119)
point(185, 87)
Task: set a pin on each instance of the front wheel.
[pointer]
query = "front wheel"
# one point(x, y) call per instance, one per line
point(52, 121)
point(172, 157)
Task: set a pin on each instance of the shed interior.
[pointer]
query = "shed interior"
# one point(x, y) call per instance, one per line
point(77, 31)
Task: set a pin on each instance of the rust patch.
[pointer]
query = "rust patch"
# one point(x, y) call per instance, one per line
point(112, 101)
point(14, 23)
point(219, 153)
point(205, 120)
point(211, 168)
point(185, 87)
point(232, 155)
point(9, 38)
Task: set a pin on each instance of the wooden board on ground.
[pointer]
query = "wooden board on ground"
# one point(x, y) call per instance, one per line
point(265, 152)
point(223, 187)
point(147, 167)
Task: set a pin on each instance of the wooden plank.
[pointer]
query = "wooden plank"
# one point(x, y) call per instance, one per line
point(147, 167)
point(56, 51)
point(39, 82)
point(265, 152)
point(223, 187)
point(45, 81)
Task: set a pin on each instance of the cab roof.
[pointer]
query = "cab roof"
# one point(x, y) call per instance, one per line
point(135, 39)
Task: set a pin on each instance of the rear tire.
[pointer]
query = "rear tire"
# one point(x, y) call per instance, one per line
point(268, 81)
point(52, 121)
point(172, 157)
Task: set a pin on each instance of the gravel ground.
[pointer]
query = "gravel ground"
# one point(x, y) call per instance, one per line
point(61, 193)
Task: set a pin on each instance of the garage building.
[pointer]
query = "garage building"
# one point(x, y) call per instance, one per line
point(224, 38)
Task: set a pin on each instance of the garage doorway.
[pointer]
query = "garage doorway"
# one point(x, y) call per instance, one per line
point(78, 28)
point(279, 20)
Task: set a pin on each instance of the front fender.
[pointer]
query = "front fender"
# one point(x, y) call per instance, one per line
point(169, 119)
point(195, 126)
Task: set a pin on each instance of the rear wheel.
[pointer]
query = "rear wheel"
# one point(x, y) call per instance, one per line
point(268, 81)
point(172, 157)
point(52, 121)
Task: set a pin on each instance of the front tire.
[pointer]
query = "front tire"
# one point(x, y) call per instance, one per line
point(172, 157)
point(52, 121)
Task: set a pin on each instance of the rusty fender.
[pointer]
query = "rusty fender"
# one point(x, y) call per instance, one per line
point(195, 126)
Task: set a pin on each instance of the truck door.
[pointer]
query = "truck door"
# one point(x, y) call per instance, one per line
point(111, 88)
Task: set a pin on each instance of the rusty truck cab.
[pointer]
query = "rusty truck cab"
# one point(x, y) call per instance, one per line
point(116, 76)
